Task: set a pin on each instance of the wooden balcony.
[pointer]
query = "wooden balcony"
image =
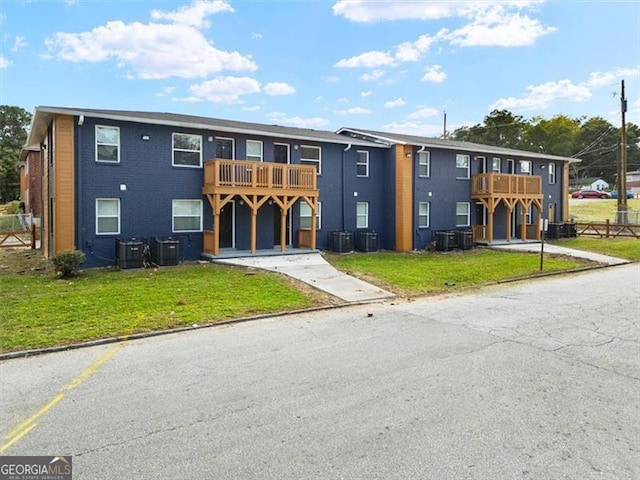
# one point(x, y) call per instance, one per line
point(504, 185)
point(259, 178)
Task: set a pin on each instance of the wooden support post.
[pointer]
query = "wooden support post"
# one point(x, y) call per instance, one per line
point(283, 229)
point(33, 236)
point(216, 225)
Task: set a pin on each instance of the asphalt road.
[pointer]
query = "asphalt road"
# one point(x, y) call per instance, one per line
point(537, 380)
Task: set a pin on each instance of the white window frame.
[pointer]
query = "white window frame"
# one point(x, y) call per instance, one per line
point(496, 165)
point(552, 173)
point(173, 214)
point(360, 216)
point(307, 214)
point(255, 158)
point(360, 163)
point(312, 161)
point(511, 166)
point(468, 214)
point(426, 215)
point(98, 216)
point(461, 156)
point(174, 150)
point(522, 169)
point(117, 145)
point(288, 151)
point(529, 215)
point(427, 163)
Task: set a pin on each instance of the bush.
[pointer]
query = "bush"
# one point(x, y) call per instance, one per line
point(68, 263)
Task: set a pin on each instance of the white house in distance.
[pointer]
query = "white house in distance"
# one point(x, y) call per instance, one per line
point(633, 182)
point(592, 183)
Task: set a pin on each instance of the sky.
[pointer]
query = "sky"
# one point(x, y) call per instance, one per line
point(397, 66)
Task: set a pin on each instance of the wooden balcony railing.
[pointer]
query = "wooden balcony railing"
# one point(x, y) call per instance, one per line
point(242, 175)
point(504, 184)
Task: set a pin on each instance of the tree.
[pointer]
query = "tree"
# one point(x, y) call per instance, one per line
point(14, 124)
point(597, 146)
point(556, 136)
point(500, 128)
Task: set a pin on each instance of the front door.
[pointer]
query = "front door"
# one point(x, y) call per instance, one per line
point(227, 216)
point(281, 152)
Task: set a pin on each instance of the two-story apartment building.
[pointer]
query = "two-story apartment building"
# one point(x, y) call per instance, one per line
point(222, 186)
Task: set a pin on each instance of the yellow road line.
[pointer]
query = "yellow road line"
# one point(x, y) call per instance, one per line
point(29, 424)
point(17, 437)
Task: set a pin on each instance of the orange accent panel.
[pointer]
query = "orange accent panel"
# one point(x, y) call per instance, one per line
point(404, 198)
point(63, 184)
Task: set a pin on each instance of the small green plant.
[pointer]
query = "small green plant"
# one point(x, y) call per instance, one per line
point(68, 263)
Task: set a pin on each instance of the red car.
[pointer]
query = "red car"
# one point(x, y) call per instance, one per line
point(590, 194)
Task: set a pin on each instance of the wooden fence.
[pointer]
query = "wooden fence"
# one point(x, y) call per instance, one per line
point(17, 231)
point(608, 229)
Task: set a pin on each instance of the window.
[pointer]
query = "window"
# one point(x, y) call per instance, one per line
point(362, 215)
point(224, 148)
point(311, 156)
point(424, 164)
point(254, 150)
point(529, 215)
point(462, 214)
point(107, 216)
point(423, 214)
point(107, 144)
point(187, 215)
point(511, 165)
point(552, 173)
point(462, 166)
point(363, 164)
point(525, 167)
point(305, 215)
point(187, 150)
point(495, 165)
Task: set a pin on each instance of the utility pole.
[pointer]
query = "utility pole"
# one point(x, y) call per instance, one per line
point(622, 166)
point(445, 126)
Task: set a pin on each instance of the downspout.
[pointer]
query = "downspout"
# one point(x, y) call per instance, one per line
point(344, 186)
point(78, 188)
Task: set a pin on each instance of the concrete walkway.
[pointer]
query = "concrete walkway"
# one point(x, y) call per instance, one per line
point(314, 270)
point(556, 250)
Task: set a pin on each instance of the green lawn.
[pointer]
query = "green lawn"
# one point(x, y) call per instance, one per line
point(628, 248)
point(598, 210)
point(424, 273)
point(38, 310)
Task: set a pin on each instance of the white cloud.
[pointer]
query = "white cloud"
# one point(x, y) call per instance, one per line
point(19, 44)
point(343, 100)
point(281, 118)
point(372, 76)
point(506, 30)
point(154, 50)
point(424, 112)
point(366, 94)
point(195, 14)
point(602, 79)
point(367, 60)
point(434, 74)
point(398, 102)
point(412, 51)
point(353, 111)
point(4, 63)
point(413, 128)
point(166, 91)
point(255, 108)
point(225, 89)
point(279, 88)
point(541, 96)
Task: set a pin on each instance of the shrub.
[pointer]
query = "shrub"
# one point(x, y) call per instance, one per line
point(68, 263)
